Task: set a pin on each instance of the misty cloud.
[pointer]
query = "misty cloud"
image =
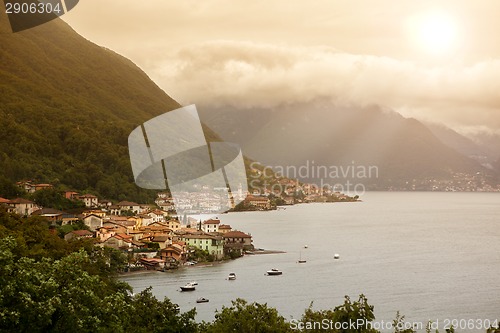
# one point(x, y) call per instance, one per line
point(248, 74)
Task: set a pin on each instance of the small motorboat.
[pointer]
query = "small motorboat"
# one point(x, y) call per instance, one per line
point(336, 256)
point(188, 287)
point(274, 271)
point(305, 246)
point(231, 276)
point(202, 300)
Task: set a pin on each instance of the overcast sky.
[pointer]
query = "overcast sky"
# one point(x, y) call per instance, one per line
point(433, 60)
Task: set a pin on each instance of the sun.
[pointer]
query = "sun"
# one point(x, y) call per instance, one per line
point(435, 32)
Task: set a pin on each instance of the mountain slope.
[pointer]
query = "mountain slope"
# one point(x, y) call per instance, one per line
point(464, 145)
point(489, 142)
point(402, 149)
point(67, 107)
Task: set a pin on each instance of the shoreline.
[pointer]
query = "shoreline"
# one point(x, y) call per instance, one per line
point(284, 207)
point(203, 264)
point(262, 251)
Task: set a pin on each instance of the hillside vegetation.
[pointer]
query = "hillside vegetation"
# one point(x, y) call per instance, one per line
point(67, 107)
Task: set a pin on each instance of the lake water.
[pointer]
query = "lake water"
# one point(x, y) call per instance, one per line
point(432, 256)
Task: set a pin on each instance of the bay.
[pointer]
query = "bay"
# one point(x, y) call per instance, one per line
point(430, 255)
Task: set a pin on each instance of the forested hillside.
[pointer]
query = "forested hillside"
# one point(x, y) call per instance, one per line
point(67, 107)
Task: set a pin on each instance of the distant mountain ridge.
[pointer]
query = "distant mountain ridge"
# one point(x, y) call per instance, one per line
point(482, 152)
point(405, 151)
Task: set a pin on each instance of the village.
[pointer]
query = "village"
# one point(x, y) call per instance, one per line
point(152, 235)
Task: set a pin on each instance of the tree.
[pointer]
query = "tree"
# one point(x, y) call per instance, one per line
point(63, 296)
point(51, 198)
point(32, 236)
point(9, 190)
point(242, 317)
point(341, 317)
point(152, 315)
point(400, 326)
point(493, 329)
point(52, 296)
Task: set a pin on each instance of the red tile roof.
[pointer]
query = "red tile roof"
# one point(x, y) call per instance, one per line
point(90, 196)
point(50, 211)
point(157, 212)
point(82, 233)
point(161, 239)
point(173, 248)
point(236, 234)
point(127, 203)
point(211, 221)
point(124, 236)
point(21, 201)
point(205, 236)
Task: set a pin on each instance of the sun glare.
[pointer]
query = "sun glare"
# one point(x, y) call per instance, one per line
point(435, 33)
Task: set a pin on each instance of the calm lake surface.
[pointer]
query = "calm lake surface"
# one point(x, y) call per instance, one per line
point(429, 255)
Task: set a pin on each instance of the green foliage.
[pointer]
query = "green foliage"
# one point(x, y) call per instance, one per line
point(153, 246)
point(33, 237)
point(106, 262)
point(400, 326)
point(67, 107)
point(62, 296)
point(243, 206)
point(277, 201)
point(242, 317)
point(127, 212)
point(234, 254)
point(64, 229)
point(200, 255)
point(151, 315)
point(35, 240)
point(334, 198)
point(50, 296)
point(9, 190)
point(51, 198)
point(493, 329)
point(343, 315)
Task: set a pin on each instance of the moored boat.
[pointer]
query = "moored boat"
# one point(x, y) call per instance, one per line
point(336, 256)
point(231, 276)
point(202, 300)
point(188, 287)
point(274, 271)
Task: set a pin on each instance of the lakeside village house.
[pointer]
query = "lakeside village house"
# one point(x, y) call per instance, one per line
point(135, 228)
point(153, 233)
